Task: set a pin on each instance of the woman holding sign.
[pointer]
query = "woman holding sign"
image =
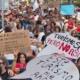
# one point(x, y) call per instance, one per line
point(20, 64)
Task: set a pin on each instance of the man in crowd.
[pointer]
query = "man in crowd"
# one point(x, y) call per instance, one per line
point(5, 73)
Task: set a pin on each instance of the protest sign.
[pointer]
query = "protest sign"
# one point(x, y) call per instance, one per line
point(67, 9)
point(65, 43)
point(50, 67)
point(48, 50)
point(35, 4)
point(78, 16)
point(4, 4)
point(14, 40)
point(56, 3)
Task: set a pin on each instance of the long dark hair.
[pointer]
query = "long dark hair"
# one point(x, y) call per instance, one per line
point(18, 57)
point(78, 59)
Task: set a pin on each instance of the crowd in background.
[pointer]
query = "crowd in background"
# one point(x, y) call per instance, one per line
point(40, 23)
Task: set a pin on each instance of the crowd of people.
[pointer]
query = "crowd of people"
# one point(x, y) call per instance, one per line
point(40, 23)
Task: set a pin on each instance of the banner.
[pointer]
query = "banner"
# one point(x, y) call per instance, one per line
point(48, 50)
point(50, 67)
point(65, 44)
point(67, 9)
point(14, 40)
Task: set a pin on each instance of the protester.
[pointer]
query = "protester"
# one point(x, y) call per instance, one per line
point(78, 64)
point(74, 33)
point(40, 22)
point(57, 29)
point(5, 73)
point(20, 63)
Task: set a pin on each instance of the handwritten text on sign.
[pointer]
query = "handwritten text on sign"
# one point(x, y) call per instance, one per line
point(14, 40)
point(53, 68)
point(65, 43)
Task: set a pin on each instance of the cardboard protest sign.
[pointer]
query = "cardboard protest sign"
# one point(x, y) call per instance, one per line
point(50, 67)
point(65, 44)
point(67, 9)
point(14, 40)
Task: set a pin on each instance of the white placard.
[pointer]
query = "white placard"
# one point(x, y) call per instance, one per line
point(65, 43)
point(78, 16)
point(4, 4)
point(9, 56)
point(48, 50)
point(35, 4)
point(50, 67)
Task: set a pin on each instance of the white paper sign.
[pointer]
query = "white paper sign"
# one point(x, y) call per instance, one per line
point(4, 4)
point(48, 50)
point(78, 16)
point(51, 67)
point(9, 56)
point(65, 43)
point(35, 4)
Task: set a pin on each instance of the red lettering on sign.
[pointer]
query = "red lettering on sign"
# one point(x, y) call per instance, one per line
point(65, 48)
point(58, 43)
point(53, 42)
point(71, 52)
point(49, 41)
